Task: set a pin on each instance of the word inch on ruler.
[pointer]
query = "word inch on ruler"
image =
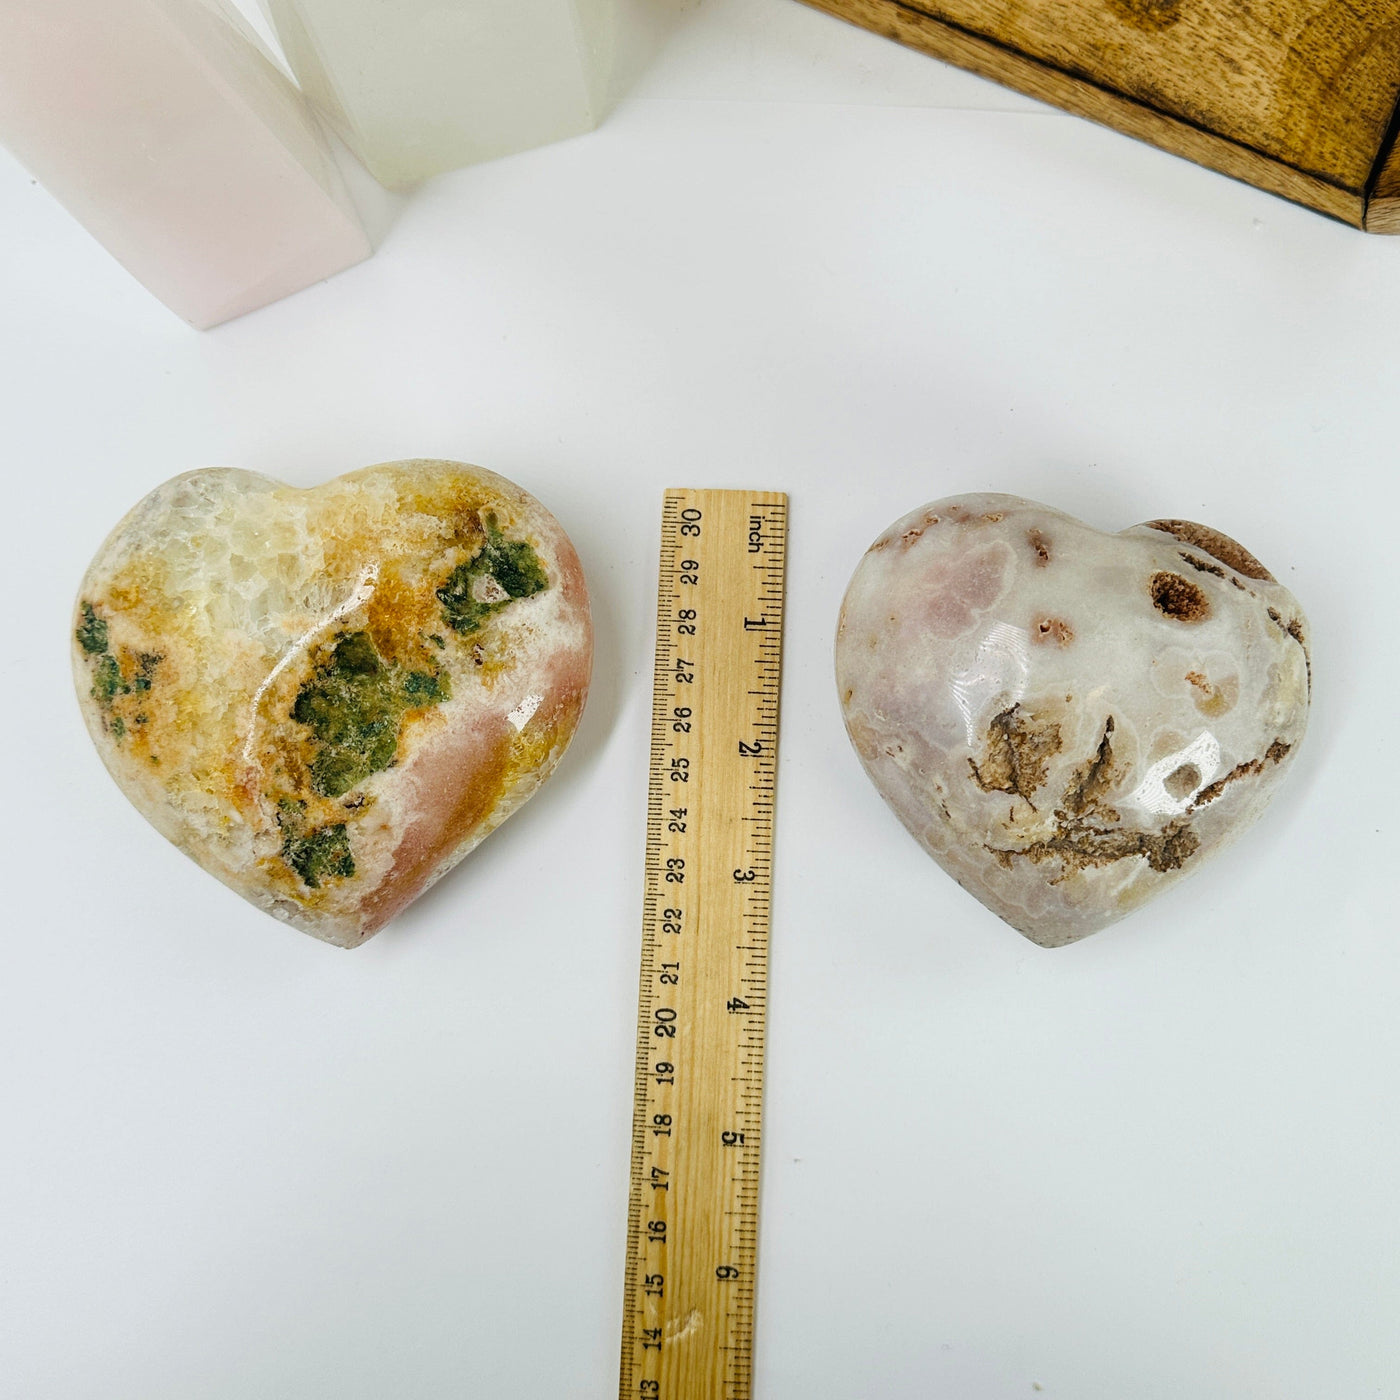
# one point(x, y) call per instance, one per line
point(692, 1244)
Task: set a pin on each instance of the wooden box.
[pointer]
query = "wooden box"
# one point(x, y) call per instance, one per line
point(1298, 97)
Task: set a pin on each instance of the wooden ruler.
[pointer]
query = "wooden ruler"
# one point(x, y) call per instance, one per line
point(692, 1224)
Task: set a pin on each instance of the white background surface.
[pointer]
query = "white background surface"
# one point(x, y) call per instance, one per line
point(237, 1164)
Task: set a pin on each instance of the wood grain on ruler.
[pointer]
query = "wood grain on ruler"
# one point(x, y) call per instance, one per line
point(693, 1217)
point(1293, 96)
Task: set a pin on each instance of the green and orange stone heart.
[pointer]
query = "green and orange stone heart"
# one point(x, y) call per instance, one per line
point(327, 697)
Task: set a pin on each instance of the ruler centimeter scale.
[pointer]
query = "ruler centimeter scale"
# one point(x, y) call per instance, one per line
point(692, 1222)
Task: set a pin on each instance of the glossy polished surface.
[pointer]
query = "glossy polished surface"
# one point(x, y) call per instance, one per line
point(1068, 721)
point(328, 697)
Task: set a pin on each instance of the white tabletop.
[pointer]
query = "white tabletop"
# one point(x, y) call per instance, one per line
point(237, 1164)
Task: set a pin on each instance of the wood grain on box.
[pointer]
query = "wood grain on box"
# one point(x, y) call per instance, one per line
point(1298, 97)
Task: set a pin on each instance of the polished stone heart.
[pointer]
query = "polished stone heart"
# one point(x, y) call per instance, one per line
point(1068, 721)
point(328, 697)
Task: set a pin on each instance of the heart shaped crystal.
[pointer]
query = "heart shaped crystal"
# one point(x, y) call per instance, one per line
point(328, 697)
point(1068, 721)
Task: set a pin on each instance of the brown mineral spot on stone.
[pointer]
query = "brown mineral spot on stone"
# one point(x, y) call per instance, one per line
point(1093, 782)
point(1077, 845)
point(1214, 700)
point(913, 533)
point(1178, 597)
point(1294, 628)
point(1275, 753)
point(1084, 835)
point(1219, 546)
point(1052, 629)
point(1203, 566)
point(1183, 781)
point(1019, 748)
point(1039, 545)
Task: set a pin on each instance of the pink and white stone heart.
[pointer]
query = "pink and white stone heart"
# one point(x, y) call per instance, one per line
point(1069, 721)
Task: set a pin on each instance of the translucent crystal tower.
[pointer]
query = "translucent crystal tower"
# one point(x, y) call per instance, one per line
point(167, 130)
point(417, 87)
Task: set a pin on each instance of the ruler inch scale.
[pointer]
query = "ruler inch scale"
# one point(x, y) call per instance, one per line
point(692, 1221)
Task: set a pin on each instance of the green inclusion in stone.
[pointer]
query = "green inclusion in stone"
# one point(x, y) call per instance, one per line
point(107, 682)
point(322, 855)
point(146, 665)
point(107, 679)
point(92, 633)
point(354, 706)
point(512, 564)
